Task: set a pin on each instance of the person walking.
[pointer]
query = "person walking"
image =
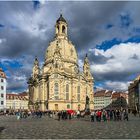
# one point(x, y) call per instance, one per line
point(92, 115)
point(125, 115)
point(96, 114)
point(69, 115)
point(104, 115)
point(99, 115)
point(59, 115)
point(18, 114)
point(111, 115)
point(78, 114)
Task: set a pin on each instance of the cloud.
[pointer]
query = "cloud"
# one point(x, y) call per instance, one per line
point(17, 73)
point(135, 57)
point(108, 26)
point(126, 20)
point(108, 44)
point(2, 40)
point(16, 83)
point(120, 67)
point(1, 25)
point(27, 28)
point(119, 86)
point(36, 4)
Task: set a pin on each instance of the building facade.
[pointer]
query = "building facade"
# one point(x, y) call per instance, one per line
point(2, 90)
point(117, 95)
point(102, 99)
point(16, 101)
point(106, 99)
point(134, 95)
point(59, 85)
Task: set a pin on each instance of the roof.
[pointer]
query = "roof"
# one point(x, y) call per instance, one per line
point(100, 93)
point(119, 94)
point(10, 96)
point(23, 94)
point(61, 19)
point(109, 93)
point(116, 95)
point(103, 93)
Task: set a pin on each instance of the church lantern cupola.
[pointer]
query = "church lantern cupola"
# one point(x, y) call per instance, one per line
point(61, 28)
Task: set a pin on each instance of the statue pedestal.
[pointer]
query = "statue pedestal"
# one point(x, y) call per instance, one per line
point(87, 109)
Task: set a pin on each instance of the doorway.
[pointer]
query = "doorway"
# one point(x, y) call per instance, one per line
point(56, 106)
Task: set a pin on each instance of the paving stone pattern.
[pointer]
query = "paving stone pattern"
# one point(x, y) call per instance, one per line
point(44, 128)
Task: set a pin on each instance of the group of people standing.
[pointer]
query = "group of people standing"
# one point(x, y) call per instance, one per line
point(98, 115)
point(109, 115)
point(23, 114)
point(61, 115)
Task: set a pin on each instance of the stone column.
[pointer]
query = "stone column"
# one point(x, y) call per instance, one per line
point(91, 97)
point(42, 93)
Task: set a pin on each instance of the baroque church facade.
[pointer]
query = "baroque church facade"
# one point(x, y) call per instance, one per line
point(59, 84)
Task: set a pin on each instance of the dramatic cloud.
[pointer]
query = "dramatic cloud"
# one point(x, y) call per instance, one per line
point(121, 61)
point(26, 28)
point(120, 86)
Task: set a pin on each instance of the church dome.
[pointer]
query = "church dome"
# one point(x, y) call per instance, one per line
point(67, 51)
point(62, 44)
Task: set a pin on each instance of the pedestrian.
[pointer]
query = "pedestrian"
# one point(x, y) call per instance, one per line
point(134, 112)
point(111, 115)
point(18, 114)
point(99, 115)
point(96, 114)
point(59, 115)
point(104, 115)
point(125, 115)
point(115, 115)
point(69, 115)
point(40, 114)
point(78, 114)
point(92, 115)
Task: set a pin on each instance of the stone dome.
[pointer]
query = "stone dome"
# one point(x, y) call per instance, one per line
point(67, 51)
point(62, 44)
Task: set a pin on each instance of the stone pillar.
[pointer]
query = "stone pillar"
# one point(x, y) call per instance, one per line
point(91, 97)
point(42, 105)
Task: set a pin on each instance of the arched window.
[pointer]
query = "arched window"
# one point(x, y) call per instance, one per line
point(67, 92)
point(57, 29)
point(56, 91)
point(63, 29)
point(78, 93)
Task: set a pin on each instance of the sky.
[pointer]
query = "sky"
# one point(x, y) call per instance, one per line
point(109, 32)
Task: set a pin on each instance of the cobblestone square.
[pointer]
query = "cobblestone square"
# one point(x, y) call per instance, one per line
point(45, 127)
